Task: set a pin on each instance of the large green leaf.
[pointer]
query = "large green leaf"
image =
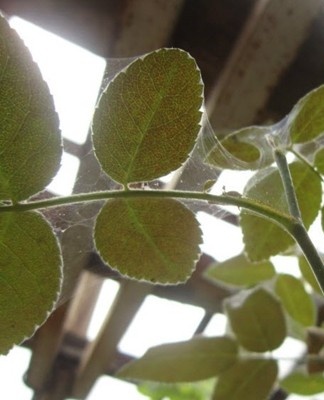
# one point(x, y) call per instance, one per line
point(30, 143)
point(193, 360)
point(263, 238)
point(247, 380)
point(239, 271)
point(295, 299)
point(303, 384)
point(148, 118)
point(152, 239)
point(30, 275)
point(306, 120)
point(257, 319)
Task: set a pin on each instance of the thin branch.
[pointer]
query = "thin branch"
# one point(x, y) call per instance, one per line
point(284, 171)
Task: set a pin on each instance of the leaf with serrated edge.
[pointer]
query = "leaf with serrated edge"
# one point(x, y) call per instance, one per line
point(239, 271)
point(247, 380)
point(30, 275)
point(296, 301)
point(193, 360)
point(306, 120)
point(263, 238)
point(156, 240)
point(303, 384)
point(30, 140)
point(148, 118)
point(257, 319)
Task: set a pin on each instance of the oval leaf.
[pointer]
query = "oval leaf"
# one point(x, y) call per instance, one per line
point(295, 299)
point(247, 380)
point(152, 239)
point(245, 149)
point(306, 119)
point(148, 118)
point(257, 319)
point(30, 142)
point(193, 360)
point(30, 275)
point(239, 271)
point(303, 384)
point(263, 238)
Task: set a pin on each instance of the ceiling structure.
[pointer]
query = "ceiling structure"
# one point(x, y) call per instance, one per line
point(257, 58)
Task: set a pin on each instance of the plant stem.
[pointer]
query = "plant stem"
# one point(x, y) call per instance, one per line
point(259, 208)
point(297, 230)
point(290, 223)
point(284, 171)
point(301, 236)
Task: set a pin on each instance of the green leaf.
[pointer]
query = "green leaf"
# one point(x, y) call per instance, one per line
point(152, 239)
point(263, 238)
point(29, 140)
point(193, 360)
point(177, 391)
point(306, 119)
point(308, 274)
point(319, 161)
point(148, 118)
point(30, 275)
point(239, 271)
point(247, 380)
point(257, 319)
point(246, 148)
point(295, 299)
point(303, 384)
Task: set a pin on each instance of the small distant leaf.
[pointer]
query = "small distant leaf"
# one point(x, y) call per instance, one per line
point(241, 150)
point(209, 184)
point(257, 319)
point(303, 384)
point(30, 141)
point(239, 271)
point(177, 391)
point(295, 299)
point(319, 161)
point(193, 360)
point(152, 239)
point(263, 238)
point(148, 118)
point(247, 380)
point(30, 275)
point(306, 119)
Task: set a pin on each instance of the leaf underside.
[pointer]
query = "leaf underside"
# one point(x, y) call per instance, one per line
point(239, 271)
point(30, 275)
point(30, 142)
point(193, 360)
point(148, 118)
point(248, 380)
point(257, 319)
point(263, 238)
point(156, 240)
